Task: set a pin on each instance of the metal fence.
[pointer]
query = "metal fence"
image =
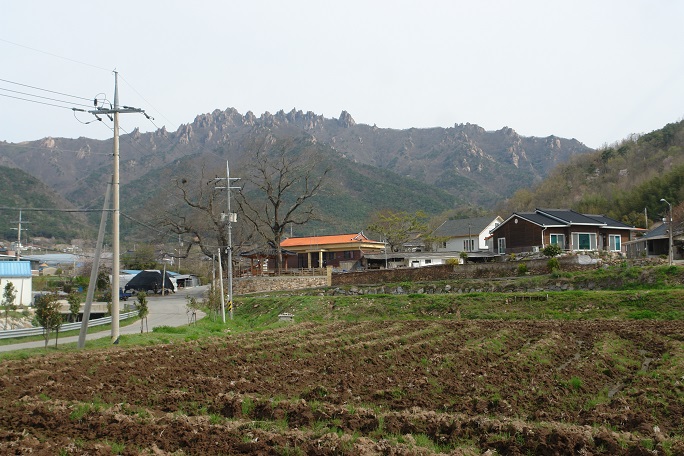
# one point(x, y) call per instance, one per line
point(24, 332)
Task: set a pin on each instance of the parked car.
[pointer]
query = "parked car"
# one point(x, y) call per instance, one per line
point(124, 295)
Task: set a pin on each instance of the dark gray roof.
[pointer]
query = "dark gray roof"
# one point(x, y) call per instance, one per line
point(659, 231)
point(464, 227)
point(570, 216)
point(539, 219)
point(609, 222)
point(567, 217)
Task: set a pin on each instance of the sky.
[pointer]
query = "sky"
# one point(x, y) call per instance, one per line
point(596, 71)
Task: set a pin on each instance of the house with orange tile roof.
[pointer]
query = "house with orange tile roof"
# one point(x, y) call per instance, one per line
point(339, 250)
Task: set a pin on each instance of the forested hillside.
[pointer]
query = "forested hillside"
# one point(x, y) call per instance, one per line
point(626, 180)
point(21, 190)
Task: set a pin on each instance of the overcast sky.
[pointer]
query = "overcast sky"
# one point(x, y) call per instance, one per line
point(596, 71)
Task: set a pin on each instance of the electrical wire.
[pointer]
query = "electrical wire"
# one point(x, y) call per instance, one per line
point(45, 98)
point(53, 150)
point(49, 209)
point(143, 98)
point(54, 55)
point(40, 102)
point(46, 90)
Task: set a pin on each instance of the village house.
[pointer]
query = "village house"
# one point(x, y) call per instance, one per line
point(655, 243)
point(466, 235)
point(342, 251)
point(572, 231)
point(19, 274)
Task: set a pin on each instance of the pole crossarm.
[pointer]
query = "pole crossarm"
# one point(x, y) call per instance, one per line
point(124, 110)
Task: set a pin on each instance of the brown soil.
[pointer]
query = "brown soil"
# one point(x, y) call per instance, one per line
point(395, 388)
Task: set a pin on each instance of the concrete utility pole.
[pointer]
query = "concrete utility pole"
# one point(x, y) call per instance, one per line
point(17, 253)
point(115, 201)
point(223, 301)
point(231, 218)
point(669, 249)
point(94, 271)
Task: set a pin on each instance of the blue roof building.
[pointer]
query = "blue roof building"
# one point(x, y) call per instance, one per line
point(19, 274)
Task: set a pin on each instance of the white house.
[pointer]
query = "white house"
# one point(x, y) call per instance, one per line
point(19, 274)
point(466, 235)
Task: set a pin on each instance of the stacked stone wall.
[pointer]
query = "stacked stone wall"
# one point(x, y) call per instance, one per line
point(459, 271)
point(246, 285)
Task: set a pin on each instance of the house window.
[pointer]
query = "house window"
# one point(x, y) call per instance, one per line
point(469, 245)
point(584, 241)
point(502, 246)
point(559, 240)
point(428, 261)
point(615, 241)
point(347, 255)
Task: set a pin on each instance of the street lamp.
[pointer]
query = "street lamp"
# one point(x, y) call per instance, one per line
point(669, 249)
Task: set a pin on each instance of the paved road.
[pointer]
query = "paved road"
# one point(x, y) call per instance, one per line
point(166, 310)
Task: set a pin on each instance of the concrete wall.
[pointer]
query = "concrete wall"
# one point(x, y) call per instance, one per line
point(23, 287)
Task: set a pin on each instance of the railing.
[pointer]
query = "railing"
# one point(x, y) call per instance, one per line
point(39, 331)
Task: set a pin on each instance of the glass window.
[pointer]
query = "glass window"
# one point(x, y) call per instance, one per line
point(502, 245)
point(615, 241)
point(558, 239)
point(584, 241)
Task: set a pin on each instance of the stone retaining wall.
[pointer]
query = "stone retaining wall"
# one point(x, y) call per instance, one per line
point(460, 271)
point(247, 285)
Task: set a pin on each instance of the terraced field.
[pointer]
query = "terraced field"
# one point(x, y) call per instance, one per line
point(390, 387)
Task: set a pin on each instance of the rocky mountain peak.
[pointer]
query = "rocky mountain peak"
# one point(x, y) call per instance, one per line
point(346, 120)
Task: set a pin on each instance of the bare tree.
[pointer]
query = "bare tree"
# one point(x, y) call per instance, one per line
point(200, 216)
point(278, 187)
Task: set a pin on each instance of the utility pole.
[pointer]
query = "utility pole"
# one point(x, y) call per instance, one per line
point(670, 256)
point(231, 218)
point(17, 252)
point(94, 271)
point(115, 111)
point(180, 248)
point(223, 302)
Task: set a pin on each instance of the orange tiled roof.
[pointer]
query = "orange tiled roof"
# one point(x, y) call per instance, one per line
point(332, 239)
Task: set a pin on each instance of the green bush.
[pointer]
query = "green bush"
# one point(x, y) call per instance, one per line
point(552, 250)
point(553, 264)
point(522, 269)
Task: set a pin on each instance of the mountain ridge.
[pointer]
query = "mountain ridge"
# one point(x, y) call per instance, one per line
point(476, 167)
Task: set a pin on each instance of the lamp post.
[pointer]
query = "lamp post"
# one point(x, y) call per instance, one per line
point(669, 249)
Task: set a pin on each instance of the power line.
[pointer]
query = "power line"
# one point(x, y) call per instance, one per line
point(50, 149)
point(141, 96)
point(44, 98)
point(46, 90)
point(40, 102)
point(50, 209)
point(54, 55)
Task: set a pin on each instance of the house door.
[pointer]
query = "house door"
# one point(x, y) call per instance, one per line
point(502, 246)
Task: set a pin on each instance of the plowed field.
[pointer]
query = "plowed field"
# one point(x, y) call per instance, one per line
point(395, 387)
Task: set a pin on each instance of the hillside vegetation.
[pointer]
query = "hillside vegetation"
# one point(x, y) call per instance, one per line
point(21, 190)
point(620, 180)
